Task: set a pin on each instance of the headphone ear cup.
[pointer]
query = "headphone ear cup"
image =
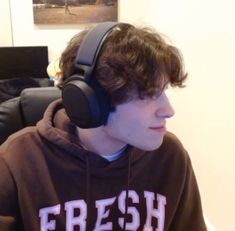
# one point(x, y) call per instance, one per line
point(81, 103)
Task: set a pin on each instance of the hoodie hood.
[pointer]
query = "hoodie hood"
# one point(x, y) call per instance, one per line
point(57, 128)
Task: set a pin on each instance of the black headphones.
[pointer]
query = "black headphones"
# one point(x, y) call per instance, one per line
point(85, 101)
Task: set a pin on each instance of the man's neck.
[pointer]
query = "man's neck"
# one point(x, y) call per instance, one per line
point(98, 141)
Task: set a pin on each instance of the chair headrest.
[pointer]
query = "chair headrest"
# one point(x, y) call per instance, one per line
point(34, 102)
point(25, 110)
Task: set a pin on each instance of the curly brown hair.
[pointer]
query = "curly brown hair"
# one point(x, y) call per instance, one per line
point(133, 62)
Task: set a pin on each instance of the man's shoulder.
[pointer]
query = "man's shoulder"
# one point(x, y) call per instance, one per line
point(173, 149)
point(171, 140)
point(22, 149)
point(19, 140)
point(170, 151)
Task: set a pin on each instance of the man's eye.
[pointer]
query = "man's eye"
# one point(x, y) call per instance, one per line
point(158, 93)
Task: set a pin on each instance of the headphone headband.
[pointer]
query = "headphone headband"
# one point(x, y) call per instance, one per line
point(91, 46)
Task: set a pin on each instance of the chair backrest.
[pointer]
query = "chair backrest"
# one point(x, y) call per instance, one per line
point(25, 110)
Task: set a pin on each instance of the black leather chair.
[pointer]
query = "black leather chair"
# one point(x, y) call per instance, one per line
point(25, 110)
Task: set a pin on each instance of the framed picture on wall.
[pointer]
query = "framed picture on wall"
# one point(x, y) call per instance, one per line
point(74, 11)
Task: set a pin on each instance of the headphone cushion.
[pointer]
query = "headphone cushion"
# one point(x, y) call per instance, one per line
point(81, 104)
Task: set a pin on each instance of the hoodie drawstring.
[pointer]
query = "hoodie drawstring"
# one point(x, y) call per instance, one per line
point(88, 183)
point(127, 190)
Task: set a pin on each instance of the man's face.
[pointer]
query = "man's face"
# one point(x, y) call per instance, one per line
point(140, 123)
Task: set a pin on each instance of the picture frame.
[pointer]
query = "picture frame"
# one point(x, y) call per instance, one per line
point(74, 11)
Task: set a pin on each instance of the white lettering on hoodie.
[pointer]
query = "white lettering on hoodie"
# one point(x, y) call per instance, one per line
point(103, 211)
point(44, 214)
point(130, 210)
point(102, 214)
point(159, 213)
point(71, 220)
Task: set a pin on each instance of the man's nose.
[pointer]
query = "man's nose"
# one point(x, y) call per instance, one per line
point(165, 108)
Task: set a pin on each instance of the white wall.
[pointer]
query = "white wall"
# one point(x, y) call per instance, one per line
point(5, 24)
point(205, 32)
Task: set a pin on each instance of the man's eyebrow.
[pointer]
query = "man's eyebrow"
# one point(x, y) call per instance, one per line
point(161, 89)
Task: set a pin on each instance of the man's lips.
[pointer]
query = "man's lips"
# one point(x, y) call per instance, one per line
point(161, 128)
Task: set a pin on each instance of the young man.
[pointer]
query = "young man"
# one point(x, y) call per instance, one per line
point(120, 172)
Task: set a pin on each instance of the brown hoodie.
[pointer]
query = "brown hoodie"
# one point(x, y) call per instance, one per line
point(48, 182)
